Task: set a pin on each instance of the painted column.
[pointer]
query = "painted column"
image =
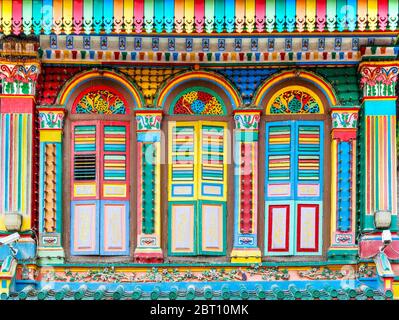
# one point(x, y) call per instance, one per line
point(148, 187)
point(377, 155)
point(245, 249)
point(51, 121)
point(343, 183)
point(18, 169)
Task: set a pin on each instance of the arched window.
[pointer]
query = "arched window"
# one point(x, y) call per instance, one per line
point(294, 171)
point(99, 155)
point(197, 173)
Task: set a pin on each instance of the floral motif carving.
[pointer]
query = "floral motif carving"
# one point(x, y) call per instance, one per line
point(379, 80)
point(51, 119)
point(294, 101)
point(247, 120)
point(18, 79)
point(148, 121)
point(344, 120)
point(100, 101)
point(110, 275)
point(197, 101)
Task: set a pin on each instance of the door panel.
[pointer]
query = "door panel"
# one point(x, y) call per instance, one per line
point(293, 187)
point(278, 229)
point(308, 228)
point(84, 227)
point(114, 233)
point(182, 226)
point(197, 176)
point(115, 161)
point(212, 228)
point(100, 172)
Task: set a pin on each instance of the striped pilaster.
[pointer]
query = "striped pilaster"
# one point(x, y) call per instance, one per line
point(51, 121)
point(377, 155)
point(343, 180)
point(148, 187)
point(246, 187)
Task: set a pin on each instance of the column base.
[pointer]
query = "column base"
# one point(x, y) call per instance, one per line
point(7, 276)
point(50, 255)
point(246, 255)
point(370, 244)
point(26, 247)
point(346, 254)
point(148, 255)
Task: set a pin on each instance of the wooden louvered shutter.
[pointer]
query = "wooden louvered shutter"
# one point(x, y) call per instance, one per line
point(100, 188)
point(279, 187)
point(85, 187)
point(294, 187)
point(212, 190)
point(197, 188)
point(114, 214)
point(182, 188)
point(309, 186)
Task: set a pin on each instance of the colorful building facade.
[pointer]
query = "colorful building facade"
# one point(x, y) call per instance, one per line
point(199, 149)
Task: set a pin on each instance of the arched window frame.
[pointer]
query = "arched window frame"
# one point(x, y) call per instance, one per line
point(227, 121)
point(78, 86)
point(264, 99)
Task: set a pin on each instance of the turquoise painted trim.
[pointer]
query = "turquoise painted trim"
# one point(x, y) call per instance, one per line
point(380, 107)
point(148, 136)
point(246, 136)
point(368, 223)
point(200, 228)
point(26, 251)
point(211, 92)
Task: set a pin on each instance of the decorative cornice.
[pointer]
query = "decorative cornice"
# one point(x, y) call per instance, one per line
point(247, 119)
point(344, 118)
point(379, 79)
point(148, 120)
point(239, 16)
point(51, 118)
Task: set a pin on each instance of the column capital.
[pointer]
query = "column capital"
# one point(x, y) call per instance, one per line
point(247, 119)
point(148, 120)
point(344, 122)
point(51, 117)
point(378, 78)
point(19, 77)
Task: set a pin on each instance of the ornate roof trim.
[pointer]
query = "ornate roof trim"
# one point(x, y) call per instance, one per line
point(239, 16)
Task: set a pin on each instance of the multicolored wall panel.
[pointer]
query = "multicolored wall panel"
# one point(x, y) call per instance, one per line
point(15, 166)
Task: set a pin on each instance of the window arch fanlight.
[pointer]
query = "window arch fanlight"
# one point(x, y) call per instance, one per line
point(294, 100)
point(198, 101)
point(100, 100)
